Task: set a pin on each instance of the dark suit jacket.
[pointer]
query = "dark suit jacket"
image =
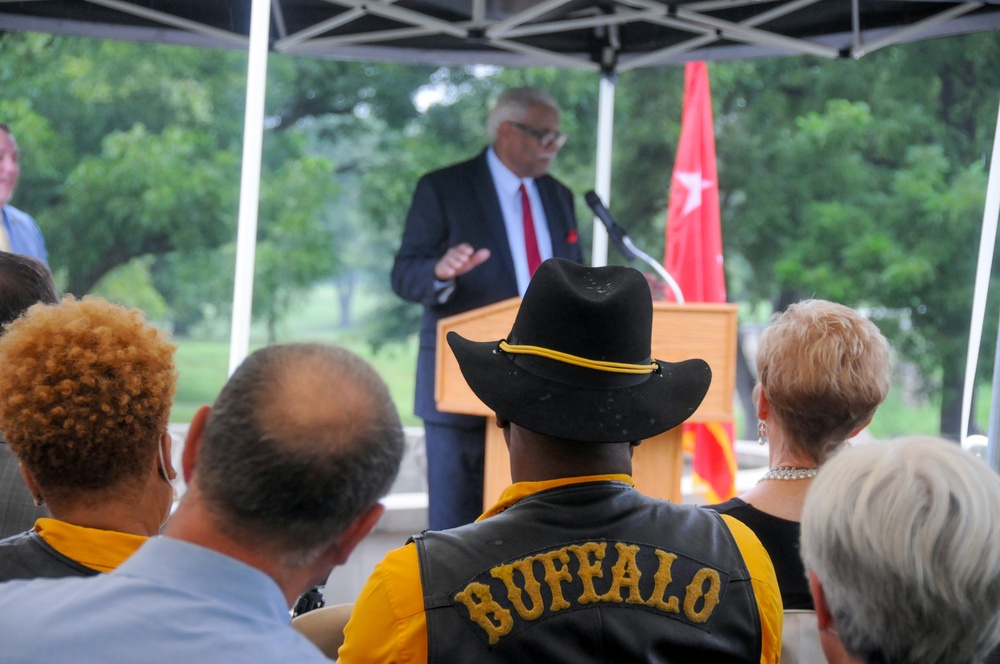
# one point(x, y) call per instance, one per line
point(17, 507)
point(459, 204)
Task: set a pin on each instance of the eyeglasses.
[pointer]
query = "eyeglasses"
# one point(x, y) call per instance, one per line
point(545, 137)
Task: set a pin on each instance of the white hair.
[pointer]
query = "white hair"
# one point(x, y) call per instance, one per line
point(513, 106)
point(904, 537)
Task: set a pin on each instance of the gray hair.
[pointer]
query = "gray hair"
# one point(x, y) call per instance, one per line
point(302, 440)
point(513, 106)
point(904, 537)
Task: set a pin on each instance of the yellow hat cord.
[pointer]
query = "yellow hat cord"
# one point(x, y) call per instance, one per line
point(598, 365)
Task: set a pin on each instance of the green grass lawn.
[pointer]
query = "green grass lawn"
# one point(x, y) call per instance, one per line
point(202, 368)
point(203, 364)
point(896, 417)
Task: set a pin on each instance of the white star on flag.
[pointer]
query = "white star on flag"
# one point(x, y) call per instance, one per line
point(694, 185)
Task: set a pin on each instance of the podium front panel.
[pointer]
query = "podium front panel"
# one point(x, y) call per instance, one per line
point(680, 332)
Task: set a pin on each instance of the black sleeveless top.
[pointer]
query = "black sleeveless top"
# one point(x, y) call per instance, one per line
point(780, 538)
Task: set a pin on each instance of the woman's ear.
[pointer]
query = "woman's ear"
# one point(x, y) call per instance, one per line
point(763, 406)
point(859, 429)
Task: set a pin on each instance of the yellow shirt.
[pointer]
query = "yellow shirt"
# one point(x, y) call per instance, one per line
point(388, 624)
point(103, 550)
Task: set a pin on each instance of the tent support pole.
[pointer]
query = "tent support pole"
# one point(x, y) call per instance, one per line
point(987, 242)
point(990, 215)
point(602, 179)
point(992, 450)
point(253, 138)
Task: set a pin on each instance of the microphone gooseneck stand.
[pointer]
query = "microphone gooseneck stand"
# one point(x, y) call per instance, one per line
point(625, 244)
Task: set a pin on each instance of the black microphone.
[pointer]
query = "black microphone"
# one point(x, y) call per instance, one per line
point(615, 232)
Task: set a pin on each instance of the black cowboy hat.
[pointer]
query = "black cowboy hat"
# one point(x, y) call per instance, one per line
point(577, 364)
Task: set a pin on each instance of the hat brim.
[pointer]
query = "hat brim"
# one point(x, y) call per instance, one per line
point(659, 403)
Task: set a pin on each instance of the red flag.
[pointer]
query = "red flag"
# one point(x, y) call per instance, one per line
point(694, 259)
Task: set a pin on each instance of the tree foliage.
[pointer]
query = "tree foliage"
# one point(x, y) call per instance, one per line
point(136, 155)
point(866, 186)
point(861, 182)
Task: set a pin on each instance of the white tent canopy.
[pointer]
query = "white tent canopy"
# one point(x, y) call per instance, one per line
point(605, 34)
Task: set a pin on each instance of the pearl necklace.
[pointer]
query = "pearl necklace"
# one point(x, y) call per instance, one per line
point(789, 474)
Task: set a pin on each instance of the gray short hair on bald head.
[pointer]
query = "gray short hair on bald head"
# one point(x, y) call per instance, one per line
point(904, 537)
point(301, 441)
point(513, 106)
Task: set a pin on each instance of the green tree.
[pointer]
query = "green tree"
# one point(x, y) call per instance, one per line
point(130, 150)
point(142, 194)
point(136, 154)
point(865, 186)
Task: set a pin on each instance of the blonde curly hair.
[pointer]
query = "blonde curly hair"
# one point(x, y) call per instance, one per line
point(85, 392)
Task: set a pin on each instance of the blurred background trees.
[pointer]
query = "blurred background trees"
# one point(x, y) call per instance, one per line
point(857, 181)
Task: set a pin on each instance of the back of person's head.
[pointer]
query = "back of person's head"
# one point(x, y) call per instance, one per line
point(513, 106)
point(825, 368)
point(301, 440)
point(23, 282)
point(85, 395)
point(904, 538)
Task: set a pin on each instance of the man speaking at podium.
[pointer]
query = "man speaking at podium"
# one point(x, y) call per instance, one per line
point(474, 235)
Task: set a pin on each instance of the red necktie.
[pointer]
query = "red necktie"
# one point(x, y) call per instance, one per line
point(530, 241)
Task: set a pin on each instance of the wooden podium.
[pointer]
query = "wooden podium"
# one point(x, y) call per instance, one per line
point(680, 332)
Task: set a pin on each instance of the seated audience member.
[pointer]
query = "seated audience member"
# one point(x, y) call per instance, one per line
point(85, 395)
point(23, 282)
point(901, 541)
point(822, 370)
point(573, 564)
point(284, 475)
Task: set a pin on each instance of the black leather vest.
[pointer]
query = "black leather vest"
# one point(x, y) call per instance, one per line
point(28, 556)
point(590, 572)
